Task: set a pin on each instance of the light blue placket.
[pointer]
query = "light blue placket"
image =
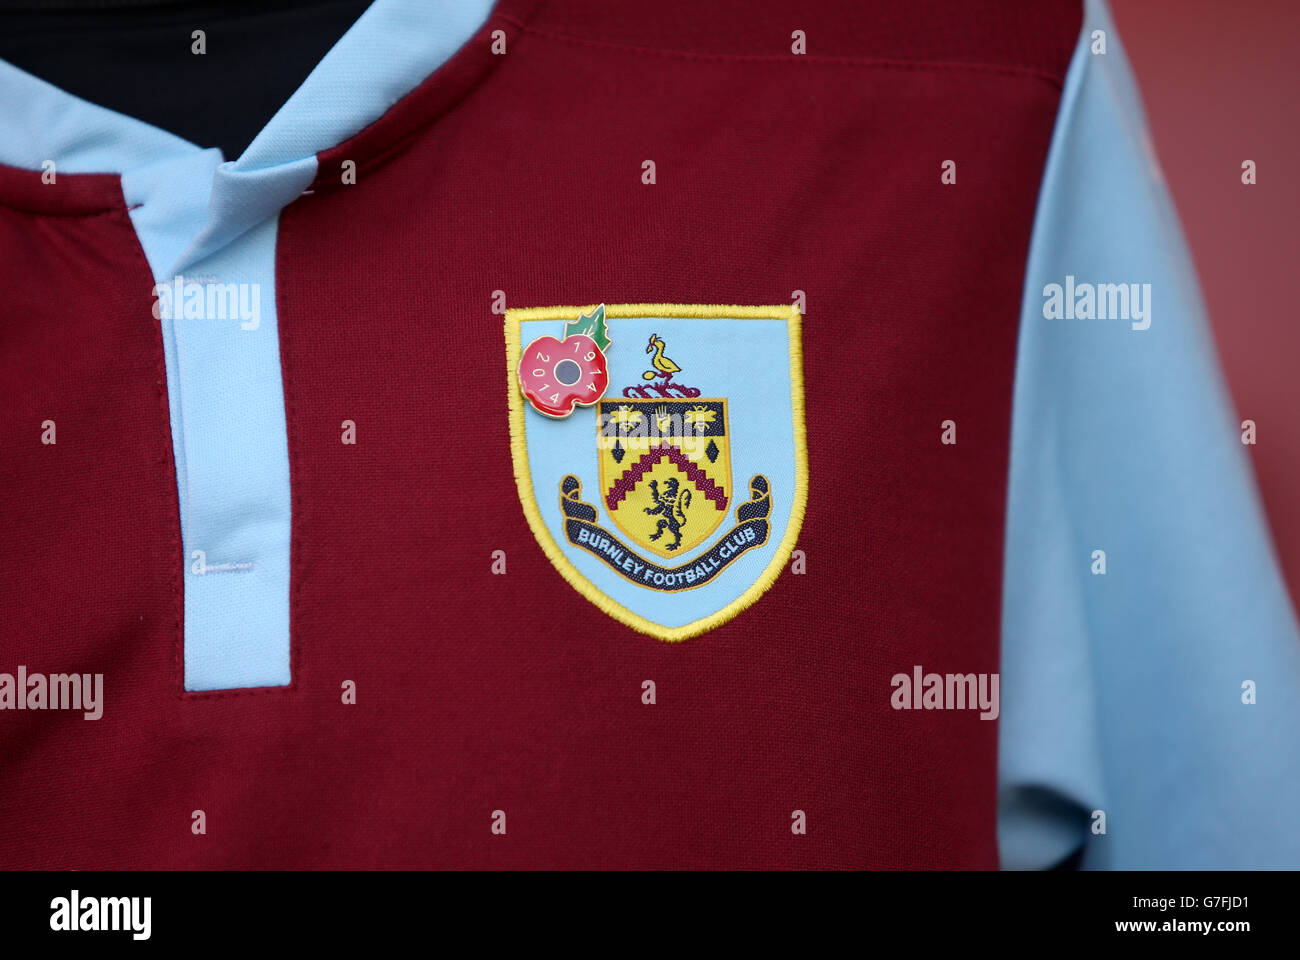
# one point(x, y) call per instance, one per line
point(226, 400)
point(208, 230)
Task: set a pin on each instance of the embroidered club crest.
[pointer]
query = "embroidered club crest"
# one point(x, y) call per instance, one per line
point(664, 522)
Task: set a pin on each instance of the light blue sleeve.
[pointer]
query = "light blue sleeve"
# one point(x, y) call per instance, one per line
point(1124, 692)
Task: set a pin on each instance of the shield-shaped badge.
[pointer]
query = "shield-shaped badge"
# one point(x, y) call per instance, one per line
point(687, 505)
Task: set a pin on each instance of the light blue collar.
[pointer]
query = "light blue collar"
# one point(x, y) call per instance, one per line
point(187, 203)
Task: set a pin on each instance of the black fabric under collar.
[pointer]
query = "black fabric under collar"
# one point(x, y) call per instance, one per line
point(137, 57)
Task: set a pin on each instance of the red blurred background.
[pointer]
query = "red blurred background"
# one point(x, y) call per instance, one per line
point(1220, 82)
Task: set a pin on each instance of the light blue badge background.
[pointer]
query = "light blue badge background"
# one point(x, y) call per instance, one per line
point(747, 362)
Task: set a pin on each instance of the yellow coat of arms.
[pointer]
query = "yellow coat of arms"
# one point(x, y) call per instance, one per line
point(665, 469)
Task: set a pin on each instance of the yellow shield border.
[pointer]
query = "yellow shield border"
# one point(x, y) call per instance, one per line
point(523, 475)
